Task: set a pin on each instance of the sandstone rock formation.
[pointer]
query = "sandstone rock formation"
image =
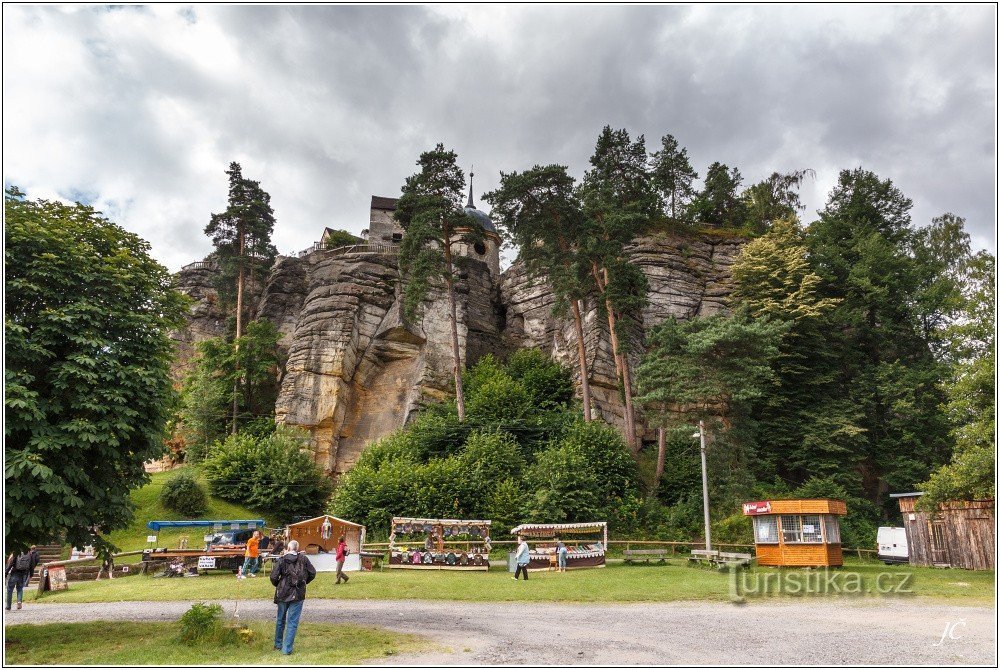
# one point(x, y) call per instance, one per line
point(356, 370)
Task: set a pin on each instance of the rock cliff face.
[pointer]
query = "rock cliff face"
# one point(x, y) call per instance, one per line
point(356, 370)
point(688, 276)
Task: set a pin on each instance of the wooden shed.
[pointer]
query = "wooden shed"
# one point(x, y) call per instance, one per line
point(319, 537)
point(797, 533)
point(961, 534)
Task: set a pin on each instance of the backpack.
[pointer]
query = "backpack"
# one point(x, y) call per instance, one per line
point(23, 563)
point(296, 574)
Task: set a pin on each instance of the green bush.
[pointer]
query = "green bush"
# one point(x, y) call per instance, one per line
point(548, 383)
point(273, 474)
point(200, 622)
point(184, 495)
point(565, 486)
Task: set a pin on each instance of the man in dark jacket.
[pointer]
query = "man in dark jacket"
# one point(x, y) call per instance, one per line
point(17, 572)
point(290, 577)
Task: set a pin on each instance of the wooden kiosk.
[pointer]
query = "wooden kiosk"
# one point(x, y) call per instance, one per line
point(318, 537)
point(585, 544)
point(439, 544)
point(797, 533)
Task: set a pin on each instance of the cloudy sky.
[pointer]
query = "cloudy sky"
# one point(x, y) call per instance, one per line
point(139, 110)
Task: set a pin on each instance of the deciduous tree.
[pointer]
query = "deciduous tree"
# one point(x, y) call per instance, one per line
point(86, 319)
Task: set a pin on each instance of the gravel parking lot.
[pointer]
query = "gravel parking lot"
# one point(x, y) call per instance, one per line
point(897, 632)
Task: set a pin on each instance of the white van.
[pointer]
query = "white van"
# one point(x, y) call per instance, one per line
point(892, 546)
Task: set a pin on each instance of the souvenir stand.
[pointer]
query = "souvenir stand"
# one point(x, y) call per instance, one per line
point(797, 533)
point(454, 544)
point(224, 544)
point(585, 544)
point(318, 538)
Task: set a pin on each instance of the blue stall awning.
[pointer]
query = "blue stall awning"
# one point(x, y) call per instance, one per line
point(225, 524)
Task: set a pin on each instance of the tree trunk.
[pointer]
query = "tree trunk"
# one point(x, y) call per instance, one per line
point(621, 363)
point(459, 395)
point(661, 456)
point(239, 325)
point(582, 352)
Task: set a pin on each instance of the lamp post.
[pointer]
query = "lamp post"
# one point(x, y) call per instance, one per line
point(704, 485)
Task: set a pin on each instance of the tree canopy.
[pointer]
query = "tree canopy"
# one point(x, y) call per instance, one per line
point(88, 392)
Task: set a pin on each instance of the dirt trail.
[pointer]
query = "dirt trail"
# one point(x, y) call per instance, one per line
point(895, 632)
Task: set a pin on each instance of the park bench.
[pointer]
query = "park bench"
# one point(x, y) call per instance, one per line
point(733, 560)
point(631, 555)
point(703, 556)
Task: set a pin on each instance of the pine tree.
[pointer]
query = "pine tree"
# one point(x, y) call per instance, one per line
point(242, 239)
point(717, 205)
point(619, 201)
point(673, 175)
point(430, 210)
point(542, 213)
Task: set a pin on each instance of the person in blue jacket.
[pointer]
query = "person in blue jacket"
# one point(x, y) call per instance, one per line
point(523, 557)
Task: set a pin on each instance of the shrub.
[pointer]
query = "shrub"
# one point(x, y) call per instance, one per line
point(184, 495)
point(605, 453)
point(272, 474)
point(200, 622)
point(565, 486)
point(547, 382)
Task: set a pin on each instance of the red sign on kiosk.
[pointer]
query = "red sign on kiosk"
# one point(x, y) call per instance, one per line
point(753, 508)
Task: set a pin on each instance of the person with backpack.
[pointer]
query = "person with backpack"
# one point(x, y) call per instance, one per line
point(342, 552)
point(18, 571)
point(290, 577)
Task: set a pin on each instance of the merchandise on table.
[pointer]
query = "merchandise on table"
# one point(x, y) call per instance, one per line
point(586, 544)
point(439, 544)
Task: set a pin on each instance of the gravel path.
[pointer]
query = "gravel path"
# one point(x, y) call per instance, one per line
point(896, 632)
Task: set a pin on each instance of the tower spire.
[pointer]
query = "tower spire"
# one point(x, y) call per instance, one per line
point(471, 175)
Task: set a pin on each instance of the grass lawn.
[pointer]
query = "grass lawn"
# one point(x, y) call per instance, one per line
point(124, 643)
point(148, 508)
point(616, 583)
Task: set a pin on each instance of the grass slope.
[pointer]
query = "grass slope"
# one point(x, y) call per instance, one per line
point(125, 643)
point(616, 583)
point(148, 508)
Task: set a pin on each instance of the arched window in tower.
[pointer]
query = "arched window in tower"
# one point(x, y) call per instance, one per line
point(480, 248)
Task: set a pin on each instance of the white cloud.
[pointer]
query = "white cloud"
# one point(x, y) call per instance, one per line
point(143, 108)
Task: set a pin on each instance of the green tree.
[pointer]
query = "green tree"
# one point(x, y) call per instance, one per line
point(273, 474)
point(242, 239)
point(619, 202)
point(773, 199)
point(543, 215)
point(341, 238)
point(248, 364)
point(431, 213)
point(87, 314)
point(971, 392)
point(673, 175)
point(884, 369)
point(717, 204)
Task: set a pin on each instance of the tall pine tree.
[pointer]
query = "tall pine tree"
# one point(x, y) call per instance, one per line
point(673, 175)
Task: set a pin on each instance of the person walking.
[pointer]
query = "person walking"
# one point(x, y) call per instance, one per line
point(561, 553)
point(342, 552)
point(252, 562)
point(523, 557)
point(17, 572)
point(290, 577)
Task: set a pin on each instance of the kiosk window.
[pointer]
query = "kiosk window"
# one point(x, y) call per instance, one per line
point(791, 528)
point(811, 529)
point(765, 529)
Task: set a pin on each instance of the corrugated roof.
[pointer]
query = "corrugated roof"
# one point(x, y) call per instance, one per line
point(381, 202)
point(914, 494)
point(525, 527)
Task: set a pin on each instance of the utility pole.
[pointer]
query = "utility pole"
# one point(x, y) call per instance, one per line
point(704, 485)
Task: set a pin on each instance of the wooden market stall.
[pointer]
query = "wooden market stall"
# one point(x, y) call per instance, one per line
point(797, 533)
point(318, 537)
point(439, 544)
point(586, 544)
point(959, 534)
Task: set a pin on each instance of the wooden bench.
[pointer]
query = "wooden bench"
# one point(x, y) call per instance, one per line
point(733, 560)
point(631, 555)
point(703, 556)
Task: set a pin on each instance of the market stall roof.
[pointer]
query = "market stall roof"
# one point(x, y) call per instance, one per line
point(229, 523)
point(538, 528)
point(325, 516)
point(800, 506)
point(442, 522)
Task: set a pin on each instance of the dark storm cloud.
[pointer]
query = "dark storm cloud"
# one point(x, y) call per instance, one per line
point(143, 109)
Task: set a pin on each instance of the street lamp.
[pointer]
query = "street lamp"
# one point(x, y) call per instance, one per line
point(704, 485)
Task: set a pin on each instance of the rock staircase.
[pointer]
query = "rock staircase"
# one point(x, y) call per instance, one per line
point(46, 554)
